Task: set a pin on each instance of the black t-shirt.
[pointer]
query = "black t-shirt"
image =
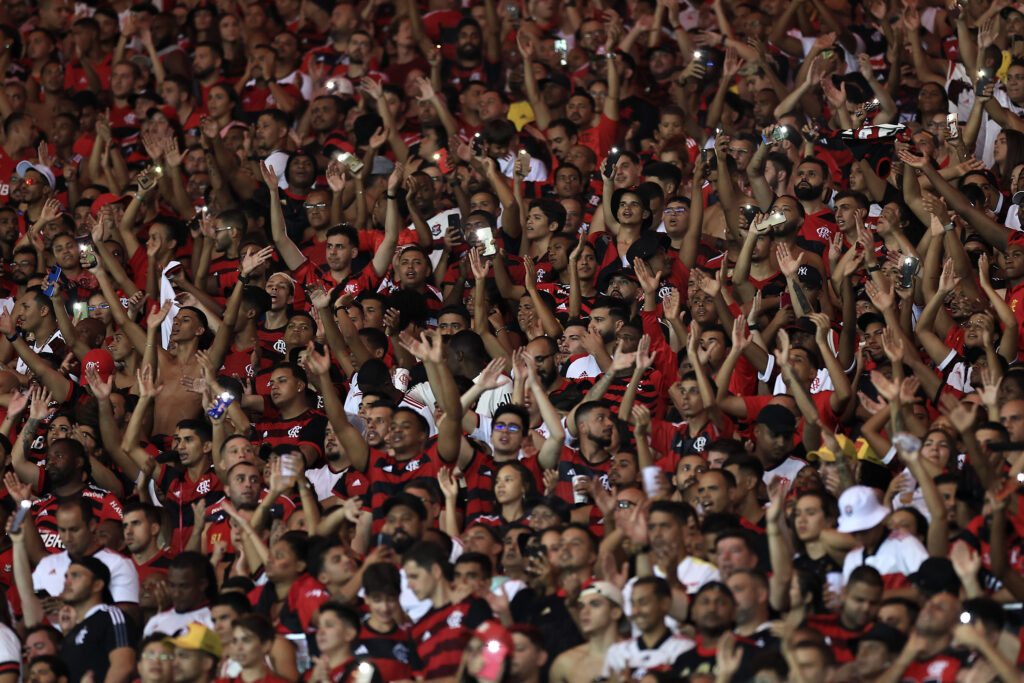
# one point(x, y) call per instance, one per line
point(88, 645)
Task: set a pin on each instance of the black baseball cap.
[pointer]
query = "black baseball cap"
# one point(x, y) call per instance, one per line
point(777, 418)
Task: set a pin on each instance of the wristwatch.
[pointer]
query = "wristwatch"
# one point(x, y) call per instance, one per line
point(948, 226)
point(874, 269)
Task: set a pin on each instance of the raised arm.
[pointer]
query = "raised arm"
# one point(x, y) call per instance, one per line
point(290, 253)
point(430, 350)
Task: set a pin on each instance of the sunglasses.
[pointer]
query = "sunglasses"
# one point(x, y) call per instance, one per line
point(503, 426)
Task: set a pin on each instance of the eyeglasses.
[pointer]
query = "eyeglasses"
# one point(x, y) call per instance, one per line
point(29, 181)
point(540, 359)
point(737, 150)
point(674, 211)
point(504, 426)
point(318, 205)
point(625, 504)
point(163, 656)
point(230, 227)
point(22, 263)
point(101, 307)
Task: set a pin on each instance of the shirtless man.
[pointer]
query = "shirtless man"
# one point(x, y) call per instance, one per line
point(175, 403)
point(600, 612)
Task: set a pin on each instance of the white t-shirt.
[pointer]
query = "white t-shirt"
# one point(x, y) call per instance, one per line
point(38, 347)
point(173, 622)
point(10, 649)
point(899, 553)
point(631, 655)
point(124, 578)
point(583, 368)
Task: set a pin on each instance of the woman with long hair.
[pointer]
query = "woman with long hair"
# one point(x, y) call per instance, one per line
point(514, 492)
point(1007, 154)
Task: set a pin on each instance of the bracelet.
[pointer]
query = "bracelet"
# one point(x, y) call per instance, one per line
point(390, 196)
point(948, 226)
point(722, 44)
point(874, 269)
point(501, 329)
point(754, 327)
point(13, 337)
point(244, 279)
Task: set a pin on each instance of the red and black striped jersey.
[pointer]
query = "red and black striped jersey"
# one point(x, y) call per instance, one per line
point(649, 392)
point(571, 463)
point(351, 483)
point(306, 429)
point(44, 512)
point(443, 633)
point(479, 478)
point(836, 635)
point(181, 492)
point(393, 652)
point(158, 564)
point(388, 476)
point(942, 668)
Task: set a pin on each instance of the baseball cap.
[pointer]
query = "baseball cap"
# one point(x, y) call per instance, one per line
point(860, 510)
point(825, 454)
point(103, 200)
point(491, 631)
point(809, 275)
point(382, 166)
point(100, 571)
point(777, 418)
point(24, 167)
point(199, 638)
point(605, 589)
point(892, 637)
point(647, 245)
point(101, 361)
point(556, 78)
point(936, 575)
point(803, 324)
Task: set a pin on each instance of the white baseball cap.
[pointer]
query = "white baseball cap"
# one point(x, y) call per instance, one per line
point(24, 167)
point(860, 510)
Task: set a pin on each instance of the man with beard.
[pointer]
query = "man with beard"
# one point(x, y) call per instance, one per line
point(244, 490)
point(470, 63)
point(788, 234)
point(697, 430)
point(606, 319)
point(580, 110)
point(291, 420)
point(36, 187)
point(337, 54)
point(271, 135)
point(229, 229)
point(813, 184)
point(260, 90)
point(101, 646)
point(77, 522)
point(600, 610)
point(714, 613)
point(562, 134)
point(929, 646)
point(207, 63)
point(655, 647)
point(596, 426)
point(326, 123)
point(142, 539)
point(62, 477)
point(564, 395)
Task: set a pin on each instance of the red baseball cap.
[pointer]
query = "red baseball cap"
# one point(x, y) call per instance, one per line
point(99, 360)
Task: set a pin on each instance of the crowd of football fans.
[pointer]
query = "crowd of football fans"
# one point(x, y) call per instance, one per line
point(512, 341)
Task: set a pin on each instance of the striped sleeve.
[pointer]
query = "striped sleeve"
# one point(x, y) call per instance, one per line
point(119, 629)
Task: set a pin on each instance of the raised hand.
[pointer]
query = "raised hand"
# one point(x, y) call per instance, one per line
point(479, 266)
point(892, 344)
point(949, 278)
point(822, 326)
point(644, 357)
point(144, 380)
point(787, 264)
point(395, 179)
point(40, 399)
point(17, 403)
point(100, 390)
point(269, 176)
point(649, 280)
point(427, 348)
point(254, 259)
point(318, 363)
point(621, 360)
point(490, 377)
point(782, 350)
point(158, 315)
